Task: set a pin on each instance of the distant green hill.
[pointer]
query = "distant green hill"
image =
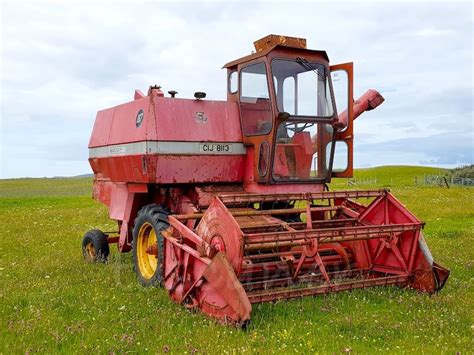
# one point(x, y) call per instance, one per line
point(387, 176)
point(397, 174)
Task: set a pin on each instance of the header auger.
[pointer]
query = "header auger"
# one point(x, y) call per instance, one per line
point(225, 203)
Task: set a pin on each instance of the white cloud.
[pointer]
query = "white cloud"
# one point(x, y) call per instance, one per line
point(435, 32)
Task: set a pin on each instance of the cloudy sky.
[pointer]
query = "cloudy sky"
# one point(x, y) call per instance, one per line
point(62, 61)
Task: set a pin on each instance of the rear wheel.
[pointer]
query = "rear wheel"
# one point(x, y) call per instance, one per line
point(148, 244)
point(95, 247)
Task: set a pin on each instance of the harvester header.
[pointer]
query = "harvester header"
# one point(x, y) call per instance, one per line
point(226, 204)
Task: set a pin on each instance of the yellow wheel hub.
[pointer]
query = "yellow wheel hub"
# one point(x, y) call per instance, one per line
point(90, 250)
point(147, 261)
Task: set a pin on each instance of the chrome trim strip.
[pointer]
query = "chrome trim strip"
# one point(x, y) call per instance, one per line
point(168, 148)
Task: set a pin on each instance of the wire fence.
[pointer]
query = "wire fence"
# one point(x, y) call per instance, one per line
point(362, 181)
point(462, 181)
point(425, 180)
point(447, 181)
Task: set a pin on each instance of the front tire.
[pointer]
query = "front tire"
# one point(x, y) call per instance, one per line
point(148, 244)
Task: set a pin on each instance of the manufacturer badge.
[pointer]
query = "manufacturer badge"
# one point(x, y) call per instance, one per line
point(200, 117)
point(139, 118)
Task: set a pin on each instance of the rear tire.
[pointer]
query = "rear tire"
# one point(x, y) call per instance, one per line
point(95, 247)
point(148, 244)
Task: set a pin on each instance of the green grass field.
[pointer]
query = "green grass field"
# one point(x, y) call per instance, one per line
point(51, 301)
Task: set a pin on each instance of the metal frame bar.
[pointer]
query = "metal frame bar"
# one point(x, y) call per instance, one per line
point(276, 295)
point(257, 241)
point(249, 198)
point(182, 217)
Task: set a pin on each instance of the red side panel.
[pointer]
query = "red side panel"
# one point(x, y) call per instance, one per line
point(124, 125)
point(197, 120)
point(171, 169)
point(168, 119)
point(124, 149)
point(194, 169)
point(118, 203)
point(101, 130)
point(396, 254)
point(121, 169)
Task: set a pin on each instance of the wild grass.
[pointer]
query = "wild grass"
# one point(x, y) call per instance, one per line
point(51, 301)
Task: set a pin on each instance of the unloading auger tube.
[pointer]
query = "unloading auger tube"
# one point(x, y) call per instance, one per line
point(225, 203)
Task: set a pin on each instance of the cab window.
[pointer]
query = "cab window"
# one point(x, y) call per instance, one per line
point(302, 88)
point(255, 108)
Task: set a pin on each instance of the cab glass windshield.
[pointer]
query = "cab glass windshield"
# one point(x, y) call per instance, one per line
point(302, 88)
point(302, 151)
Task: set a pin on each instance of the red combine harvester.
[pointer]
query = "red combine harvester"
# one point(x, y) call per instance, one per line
point(226, 203)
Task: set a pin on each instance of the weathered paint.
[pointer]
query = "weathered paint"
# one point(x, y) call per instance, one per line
point(235, 236)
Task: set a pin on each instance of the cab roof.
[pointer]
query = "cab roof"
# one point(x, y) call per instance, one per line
point(270, 43)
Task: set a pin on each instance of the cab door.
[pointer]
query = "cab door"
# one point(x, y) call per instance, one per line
point(342, 83)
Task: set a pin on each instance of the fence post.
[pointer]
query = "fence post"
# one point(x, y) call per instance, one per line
point(446, 181)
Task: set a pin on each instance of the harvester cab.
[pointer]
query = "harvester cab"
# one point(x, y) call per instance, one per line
point(225, 203)
point(296, 111)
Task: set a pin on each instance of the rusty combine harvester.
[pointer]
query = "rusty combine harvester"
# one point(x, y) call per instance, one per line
point(226, 203)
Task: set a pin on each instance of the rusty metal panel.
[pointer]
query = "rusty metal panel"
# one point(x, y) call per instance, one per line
point(170, 169)
point(130, 122)
point(271, 41)
point(101, 130)
point(198, 169)
point(197, 120)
